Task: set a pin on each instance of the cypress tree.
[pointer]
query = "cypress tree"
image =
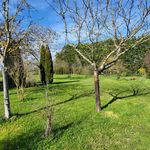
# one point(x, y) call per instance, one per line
point(48, 65)
point(42, 65)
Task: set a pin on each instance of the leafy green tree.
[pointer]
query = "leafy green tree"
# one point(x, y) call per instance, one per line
point(69, 54)
point(74, 62)
point(137, 54)
point(59, 66)
point(147, 63)
point(65, 60)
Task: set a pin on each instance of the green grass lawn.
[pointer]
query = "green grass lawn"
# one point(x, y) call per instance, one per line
point(122, 124)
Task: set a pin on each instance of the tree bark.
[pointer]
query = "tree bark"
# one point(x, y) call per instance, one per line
point(7, 111)
point(97, 90)
point(49, 125)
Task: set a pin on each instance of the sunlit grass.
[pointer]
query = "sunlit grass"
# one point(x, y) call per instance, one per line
point(124, 124)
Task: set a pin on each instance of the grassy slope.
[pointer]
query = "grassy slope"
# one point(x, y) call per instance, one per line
point(124, 124)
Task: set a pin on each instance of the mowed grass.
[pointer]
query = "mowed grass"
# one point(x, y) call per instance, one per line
point(122, 124)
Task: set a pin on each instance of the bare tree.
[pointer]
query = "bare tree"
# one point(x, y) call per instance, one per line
point(10, 31)
point(39, 36)
point(94, 21)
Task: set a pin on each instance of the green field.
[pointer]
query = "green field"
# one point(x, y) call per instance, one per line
point(122, 124)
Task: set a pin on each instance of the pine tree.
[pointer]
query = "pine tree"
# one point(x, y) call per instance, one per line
point(42, 64)
point(48, 65)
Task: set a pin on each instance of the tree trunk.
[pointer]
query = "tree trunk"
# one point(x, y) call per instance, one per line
point(97, 90)
point(49, 126)
point(5, 91)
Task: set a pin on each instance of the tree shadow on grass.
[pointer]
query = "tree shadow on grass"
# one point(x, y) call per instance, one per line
point(23, 141)
point(2, 120)
point(64, 82)
point(30, 140)
point(62, 77)
point(60, 86)
point(117, 97)
point(72, 98)
point(63, 85)
point(58, 132)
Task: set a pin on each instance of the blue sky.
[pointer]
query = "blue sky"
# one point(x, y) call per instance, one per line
point(44, 15)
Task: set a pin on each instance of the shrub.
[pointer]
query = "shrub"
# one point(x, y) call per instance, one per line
point(142, 71)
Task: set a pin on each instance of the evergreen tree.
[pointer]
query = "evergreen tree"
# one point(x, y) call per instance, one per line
point(42, 65)
point(137, 54)
point(48, 66)
point(15, 69)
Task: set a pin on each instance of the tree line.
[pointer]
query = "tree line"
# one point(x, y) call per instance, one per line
point(67, 61)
